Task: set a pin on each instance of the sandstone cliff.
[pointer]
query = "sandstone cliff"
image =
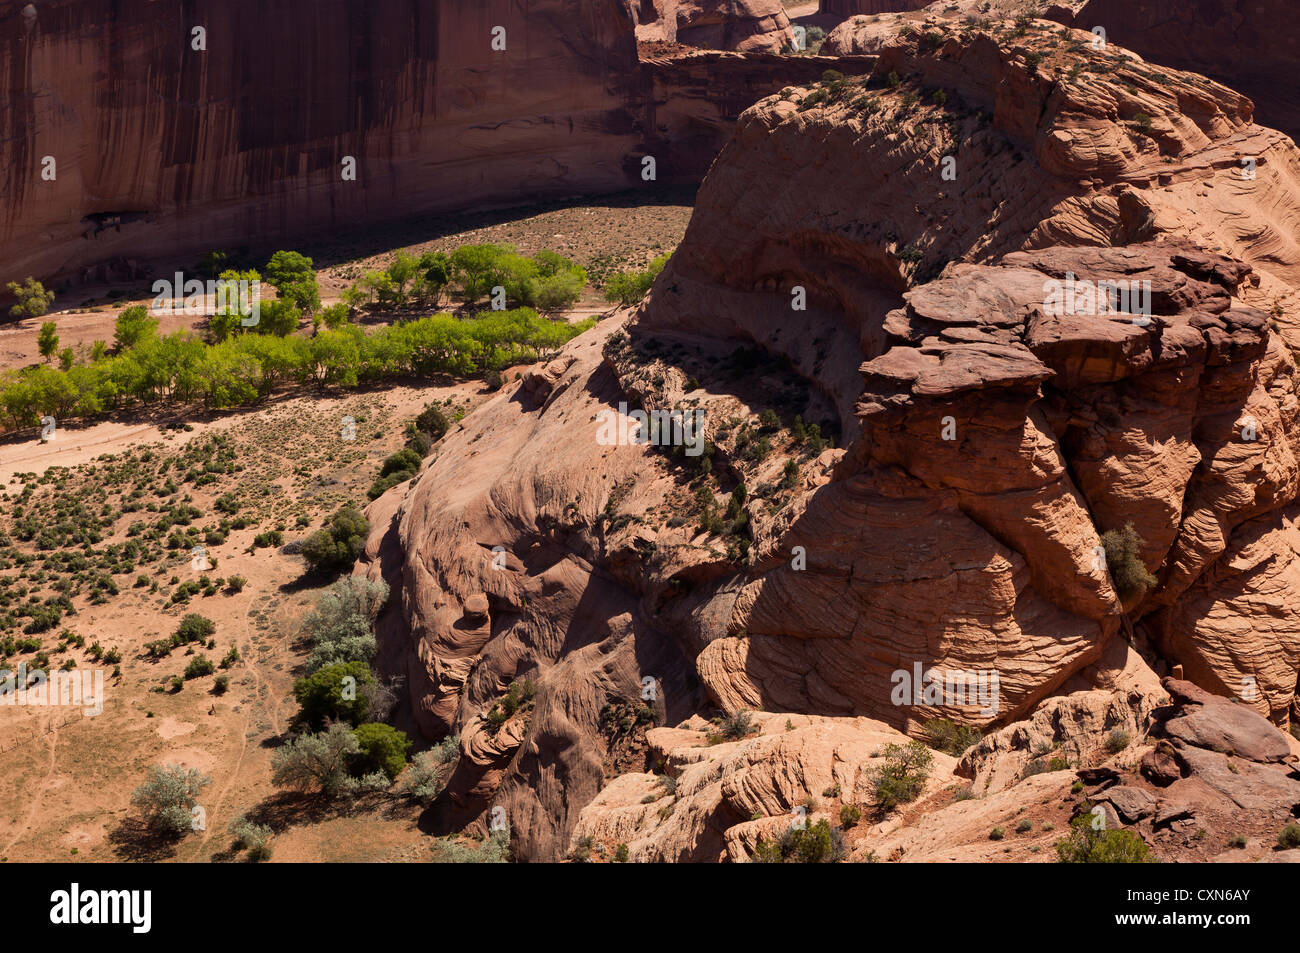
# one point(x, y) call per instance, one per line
point(985, 440)
point(758, 25)
point(848, 8)
point(1250, 44)
point(160, 148)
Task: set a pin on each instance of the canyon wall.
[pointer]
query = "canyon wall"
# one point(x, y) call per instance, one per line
point(714, 24)
point(985, 445)
point(848, 8)
point(121, 141)
point(1253, 45)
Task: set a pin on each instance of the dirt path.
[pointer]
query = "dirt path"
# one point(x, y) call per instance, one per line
point(71, 447)
point(38, 795)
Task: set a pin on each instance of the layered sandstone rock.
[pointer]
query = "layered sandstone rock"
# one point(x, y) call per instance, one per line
point(1250, 44)
point(1218, 767)
point(718, 799)
point(323, 114)
point(986, 438)
point(848, 8)
point(750, 25)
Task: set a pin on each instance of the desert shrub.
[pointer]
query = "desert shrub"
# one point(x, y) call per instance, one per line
point(397, 468)
point(733, 727)
point(629, 287)
point(997, 834)
point(337, 546)
point(383, 748)
point(1088, 846)
point(1025, 826)
point(236, 584)
point(943, 734)
point(1289, 837)
point(255, 838)
point(194, 628)
point(167, 798)
point(1124, 561)
point(402, 460)
point(199, 666)
point(341, 627)
point(495, 849)
point(621, 854)
point(518, 695)
point(850, 814)
point(581, 851)
point(433, 420)
point(901, 777)
point(1118, 740)
point(317, 761)
point(221, 684)
point(811, 844)
point(428, 773)
point(334, 693)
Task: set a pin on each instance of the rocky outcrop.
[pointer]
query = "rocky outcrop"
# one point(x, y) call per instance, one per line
point(131, 137)
point(717, 799)
point(848, 8)
point(750, 25)
point(945, 559)
point(1218, 767)
point(1250, 44)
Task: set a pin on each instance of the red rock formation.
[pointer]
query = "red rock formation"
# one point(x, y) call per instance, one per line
point(1249, 44)
point(162, 149)
point(747, 25)
point(848, 8)
point(987, 438)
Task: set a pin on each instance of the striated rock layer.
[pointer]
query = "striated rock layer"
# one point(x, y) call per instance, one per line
point(159, 148)
point(1252, 44)
point(988, 434)
point(848, 8)
point(750, 25)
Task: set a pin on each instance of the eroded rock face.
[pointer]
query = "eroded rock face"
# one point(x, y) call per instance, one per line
point(1219, 767)
point(750, 25)
point(1248, 43)
point(848, 8)
point(163, 149)
point(722, 797)
point(987, 435)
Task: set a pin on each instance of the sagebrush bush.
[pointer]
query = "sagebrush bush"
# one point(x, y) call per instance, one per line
point(168, 797)
point(317, 761)
point(341, 627)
